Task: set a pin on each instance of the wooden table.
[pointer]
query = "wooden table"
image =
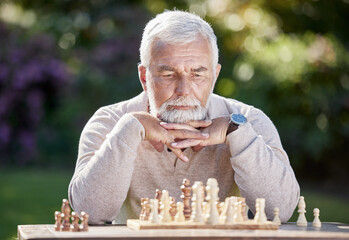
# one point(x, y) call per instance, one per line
point(286, 231)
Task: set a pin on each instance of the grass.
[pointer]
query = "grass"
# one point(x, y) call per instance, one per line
point(32, 197)
point(332, 208)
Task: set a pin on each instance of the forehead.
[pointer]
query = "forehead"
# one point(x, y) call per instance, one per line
point(193, 54)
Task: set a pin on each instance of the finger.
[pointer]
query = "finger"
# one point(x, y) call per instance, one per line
point(186, 143)
point(176, 126)
point(199, 123)
point(183, 134)
point(179, 153)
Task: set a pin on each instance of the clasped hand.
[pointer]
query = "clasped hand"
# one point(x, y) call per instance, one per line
point(178, 136)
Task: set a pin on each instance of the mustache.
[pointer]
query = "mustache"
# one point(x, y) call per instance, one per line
point(183, 101)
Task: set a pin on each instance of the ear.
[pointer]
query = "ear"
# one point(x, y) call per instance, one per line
point(142, 76)
point(218, 69)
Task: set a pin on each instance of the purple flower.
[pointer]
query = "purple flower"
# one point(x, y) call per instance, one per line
point(16, 56)
point(30, 74)
point(27, 141)
point(4, 72)
point(7, 100)
point(5, 133)
point(58, 71)
point(33, 71)
point(35, 109)
point(20, 80)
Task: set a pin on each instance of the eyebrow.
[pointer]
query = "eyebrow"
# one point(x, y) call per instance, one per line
point(164, 68)
point(199, 69)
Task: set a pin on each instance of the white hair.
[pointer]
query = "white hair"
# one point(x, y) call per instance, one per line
point(176, 27)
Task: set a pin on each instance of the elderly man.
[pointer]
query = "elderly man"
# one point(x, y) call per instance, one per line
point(177, 128)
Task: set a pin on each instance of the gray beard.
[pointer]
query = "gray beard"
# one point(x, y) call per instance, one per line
point(181, 116)
point(198, 112)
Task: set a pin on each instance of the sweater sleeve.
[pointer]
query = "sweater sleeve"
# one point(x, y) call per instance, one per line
point(107, 151)
point(262, 168)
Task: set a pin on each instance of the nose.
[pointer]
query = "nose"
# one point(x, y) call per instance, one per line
point(183, 87)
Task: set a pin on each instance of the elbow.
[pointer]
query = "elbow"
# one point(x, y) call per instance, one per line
point(83, 200)
point(290, 204)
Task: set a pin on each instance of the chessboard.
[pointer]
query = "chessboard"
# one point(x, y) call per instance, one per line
point(137, 224)
point(200, 209)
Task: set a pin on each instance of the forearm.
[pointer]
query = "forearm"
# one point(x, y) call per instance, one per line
point(102, 177)
point(263, 171)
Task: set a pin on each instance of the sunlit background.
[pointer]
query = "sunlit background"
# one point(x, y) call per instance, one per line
point(62, 60)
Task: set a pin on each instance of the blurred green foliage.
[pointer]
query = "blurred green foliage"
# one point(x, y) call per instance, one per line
point(288, 58)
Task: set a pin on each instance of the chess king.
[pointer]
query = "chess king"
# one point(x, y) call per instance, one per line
point(178, 128)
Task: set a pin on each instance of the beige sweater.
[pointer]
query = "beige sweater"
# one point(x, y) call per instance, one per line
point(115, 167)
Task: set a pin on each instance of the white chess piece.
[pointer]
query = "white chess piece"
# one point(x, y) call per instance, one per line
point(260, 216)
point(276, 216)
point(180, 215)
point(205, 208)
point(256, 215)
point(316, 222)
point(154, 214)
point(165, 211)
point(302, 221)
point(238, 214)
point(223, 214)
point(197, 200)
point(230, 210)
point(212, 198)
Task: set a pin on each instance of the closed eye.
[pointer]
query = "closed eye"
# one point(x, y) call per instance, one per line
point(196, 75)
point(167, 75)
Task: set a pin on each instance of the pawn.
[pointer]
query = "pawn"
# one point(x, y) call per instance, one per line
point(58, 220)
point(84, 222)
point(316, 222)
point(74, 227)
point(276, 216)
point(180, 215)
